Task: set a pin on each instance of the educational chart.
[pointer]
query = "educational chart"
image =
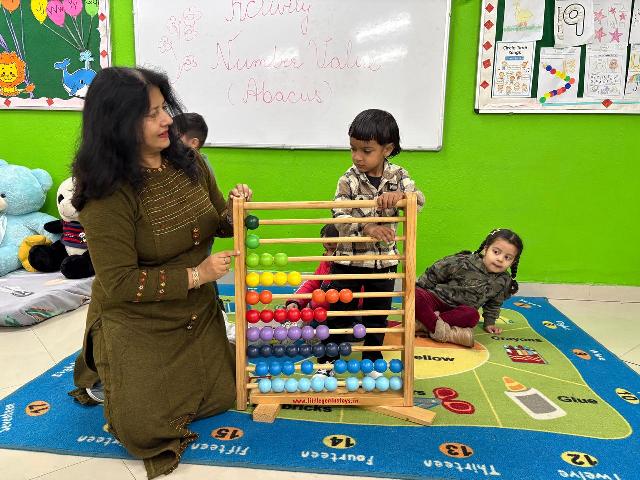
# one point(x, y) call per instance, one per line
point(50, 51)
point(574, 55)
point(542, 400)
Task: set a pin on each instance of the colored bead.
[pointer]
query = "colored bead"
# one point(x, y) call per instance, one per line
point(331, 349)
point(318, 350)
point(304, 384)
point(253, 351)
point(294, 333)
point(366, 365)
point(280, 333)
point(345, 349)
point(292, 351)
point(305, 350)
point(294, 278)
point(330, 383)
point(395, 365)
point(352, 384)
point(251, 222)
point(280, 278)
point(252, 279)
point(395, 383)
point(261, 369)
point(353, 366)
point(275, 368)
point(277, 385)
point(281, 259)
point(382, 384)
point(252, 241)
point(306, 367)
point(340, 366)
point(252, 260)
point(322, 332)
point(266, 259)
point(317, 384)
point(278, 350)
point(264, 385)
point(266, 334)
point(253, 334)
point(291, 385)
point(307, 332)
point(265, 350)
point(380, 365)
point(266, 279)
point(288, 368)
point(359, 330)
point(368, 384)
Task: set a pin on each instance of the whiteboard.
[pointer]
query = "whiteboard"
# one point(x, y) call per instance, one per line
point(295, 73)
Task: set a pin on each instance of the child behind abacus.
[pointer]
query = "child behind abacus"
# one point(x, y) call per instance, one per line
point(450, 292)
point(374, 136)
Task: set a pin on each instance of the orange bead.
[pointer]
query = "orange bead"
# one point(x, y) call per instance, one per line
point(266, 297)
point(332, 295)
point(252, 297)
point(318, 295)
point(346, 295)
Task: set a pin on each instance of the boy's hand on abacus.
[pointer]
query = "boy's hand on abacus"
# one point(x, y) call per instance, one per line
point(389, 199)
point(379, 232)
point(216, 266)
point(492, 329)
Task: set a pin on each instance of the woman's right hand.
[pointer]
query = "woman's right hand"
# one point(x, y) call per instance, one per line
point(216, 266)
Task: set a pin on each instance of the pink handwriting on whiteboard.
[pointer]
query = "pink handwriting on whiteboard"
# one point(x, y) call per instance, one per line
point(248, 10)
point(257, 91)
point(227, 59)
point(328, 57)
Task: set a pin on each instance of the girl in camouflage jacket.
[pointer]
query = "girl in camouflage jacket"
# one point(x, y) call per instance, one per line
point(450, 292)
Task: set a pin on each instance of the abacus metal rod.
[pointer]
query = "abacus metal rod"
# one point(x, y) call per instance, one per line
point(352, 276)
point(322, 221)
point(344, 258)
point(295, 296)
point(316, 205)
point(271, 241)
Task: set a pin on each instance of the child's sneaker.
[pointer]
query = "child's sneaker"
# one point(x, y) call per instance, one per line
point(96, 393)
point(461, 336)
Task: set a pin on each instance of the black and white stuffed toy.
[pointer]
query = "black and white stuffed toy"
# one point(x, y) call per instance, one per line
point(69, 254)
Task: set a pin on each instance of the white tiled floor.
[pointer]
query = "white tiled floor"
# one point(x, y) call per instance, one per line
point(27, 352)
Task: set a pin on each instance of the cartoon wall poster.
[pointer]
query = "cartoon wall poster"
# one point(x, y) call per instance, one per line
point(558, 74)
point(50, 51)
point(634, 36)
point(605, 71)
point(632, 89)
point(513, 68)
point(523, 20)
point(611, 21)
point(573, 22)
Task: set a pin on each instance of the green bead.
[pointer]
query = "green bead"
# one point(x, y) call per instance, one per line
point(253, 260)
point(543, 99)
point(251, 222)
point(266, 259)
point(281, 259)
point(567, 78)
point(252, 241)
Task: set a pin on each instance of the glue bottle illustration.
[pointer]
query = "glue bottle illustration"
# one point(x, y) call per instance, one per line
point(532, 401)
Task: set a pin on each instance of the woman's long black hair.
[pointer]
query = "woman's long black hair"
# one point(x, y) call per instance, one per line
point(109, 152)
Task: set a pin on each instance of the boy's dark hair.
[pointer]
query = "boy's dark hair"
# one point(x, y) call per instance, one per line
point(192, 125)
point(514, 239)
point(378, 125)
point(329, 230)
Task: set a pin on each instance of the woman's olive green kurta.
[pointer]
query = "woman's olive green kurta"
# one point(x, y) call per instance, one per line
point(159, 348)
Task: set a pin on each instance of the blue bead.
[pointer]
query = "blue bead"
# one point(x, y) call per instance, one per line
point(264, 385)
point(395, 365)
point(265, 350)
point(330, 383)
point(317, 384)
point(306, 367)
point(304, 384)
point(261, 369)
point(382, 384)
point(278, 350)
point(318, 350)
point(366, 366)
point(288, 368)
point(292, 350)
point(395, 383)
point(353, 366)
point(352, 384)
point(331, 349)
point(291, 385)
point(567, 86)
point(368, 384)
point(305, 350)
point(380, 365)
point(340, 366)
point(345, 349)
point(275, 368)
point(253, 351)
point(548, 68)
point(277, 385)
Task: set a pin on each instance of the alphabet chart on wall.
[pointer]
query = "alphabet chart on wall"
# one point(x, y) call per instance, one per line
point(559, 56)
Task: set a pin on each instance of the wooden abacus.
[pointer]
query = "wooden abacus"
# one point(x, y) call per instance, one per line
point(399, 403)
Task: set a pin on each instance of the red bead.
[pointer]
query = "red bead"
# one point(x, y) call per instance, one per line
point(306, 314)
point(320, 314)
point(252, 316)
point(280, 315)
point(293, 314)
point(266, 315)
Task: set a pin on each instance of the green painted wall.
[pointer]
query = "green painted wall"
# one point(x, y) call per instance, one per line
point(567, 183)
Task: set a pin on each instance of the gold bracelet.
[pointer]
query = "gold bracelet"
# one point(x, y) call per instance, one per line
point(196, 277)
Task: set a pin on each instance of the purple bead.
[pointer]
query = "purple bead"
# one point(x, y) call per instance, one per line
point(280, 333)
point(266, 333)
point(294, 333)
point(359, 330)
point(307, 332)
point(253, 334)
point(322, 332)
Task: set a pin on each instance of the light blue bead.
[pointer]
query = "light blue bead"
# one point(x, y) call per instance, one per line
point(368, 384)
point(395, 383)
point(306, 367)
point(366, 366)
point(353, 366)
point(291, 385)
point(317, 384)
point(277, 385)
point(288, 368)
point(382, 384)
point(264, 385)
point(395, 365)
point(352, 384)
point(304, 384)
point(380, 365)
point(330, 383)
point(340, 366)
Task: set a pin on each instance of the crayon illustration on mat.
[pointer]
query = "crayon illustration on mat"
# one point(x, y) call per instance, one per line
point(574, 54)
point(580, 404)
point(50, 51)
